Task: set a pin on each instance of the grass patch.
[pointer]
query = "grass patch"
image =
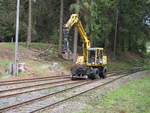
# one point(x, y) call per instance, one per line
point(5, 75)
point(8, 45)
point(124, 64)
point(67, 64)
point(131, 98)
point(38, 67)
point(38, 45)
point(147, 62)
point(4, 63)
point(33, 45)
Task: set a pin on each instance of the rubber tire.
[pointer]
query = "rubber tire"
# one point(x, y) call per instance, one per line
point(103, 73)
point(95, 74)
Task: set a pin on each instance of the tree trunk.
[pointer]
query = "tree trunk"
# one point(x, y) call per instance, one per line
point(75, 45)
point(29, 24)
point(129, 42)
point(75, 41)
point(61, 26)
point(116, 29)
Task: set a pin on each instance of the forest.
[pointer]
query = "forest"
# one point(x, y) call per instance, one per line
point(116, 25)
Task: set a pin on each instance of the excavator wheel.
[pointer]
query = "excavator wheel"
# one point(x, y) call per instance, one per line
point(96, 71)
point(103, 72)
point(95, 74)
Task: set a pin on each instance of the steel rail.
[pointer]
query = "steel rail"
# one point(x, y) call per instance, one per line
point(71, 97)
point(21, 88)
point(27, 79)
point(31, 80)
point(39, 89)
point(42, 97)
point(56, 76)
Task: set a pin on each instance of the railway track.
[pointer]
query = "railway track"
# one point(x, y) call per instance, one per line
point(20, 81)
point(79, 84)
point(20, 89)
point(42, 97)
point(31, 86)
point(13, 82)
point(71, 97)
point(38, 89)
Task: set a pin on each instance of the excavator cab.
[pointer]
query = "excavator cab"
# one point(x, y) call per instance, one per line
point(95, 56)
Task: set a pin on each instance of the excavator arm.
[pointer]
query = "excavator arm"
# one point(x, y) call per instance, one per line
point(74, 21)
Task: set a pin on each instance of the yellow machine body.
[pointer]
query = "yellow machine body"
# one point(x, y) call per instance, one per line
point(92, 57)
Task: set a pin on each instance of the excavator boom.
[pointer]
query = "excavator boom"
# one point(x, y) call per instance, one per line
point(74, 20)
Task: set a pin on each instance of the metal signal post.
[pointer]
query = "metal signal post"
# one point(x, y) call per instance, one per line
point(15, 67)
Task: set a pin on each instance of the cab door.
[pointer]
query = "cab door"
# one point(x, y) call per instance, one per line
point(99, 56)
point(91, 57)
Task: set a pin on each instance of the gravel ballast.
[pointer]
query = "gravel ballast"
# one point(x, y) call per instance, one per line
point(74, 105)
point(78, 103)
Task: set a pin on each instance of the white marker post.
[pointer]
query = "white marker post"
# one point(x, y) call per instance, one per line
point(15, 67)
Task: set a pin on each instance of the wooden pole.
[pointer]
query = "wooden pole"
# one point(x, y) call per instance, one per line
point(29, 24)
point(75, 40)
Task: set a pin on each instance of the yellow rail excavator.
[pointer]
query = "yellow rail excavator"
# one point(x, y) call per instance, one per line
point(92, 64)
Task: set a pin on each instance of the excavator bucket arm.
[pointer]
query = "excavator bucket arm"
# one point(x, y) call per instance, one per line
point(66, 52)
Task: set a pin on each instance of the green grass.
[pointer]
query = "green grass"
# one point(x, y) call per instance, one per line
point(147, 62)
point(8, 45)
point(5, 76)
point(38, 67)
point(131, 98)
point(4, 63)
point(67, 64)
point(33, 45)
point(124, 64)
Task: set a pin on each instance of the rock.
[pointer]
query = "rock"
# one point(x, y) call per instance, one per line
point(22, 67)
point(9, 69)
